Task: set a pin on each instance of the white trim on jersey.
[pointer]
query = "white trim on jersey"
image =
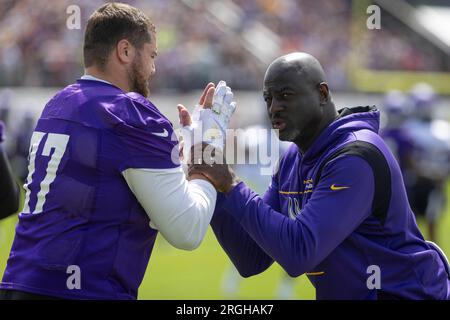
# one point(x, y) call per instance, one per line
point(92, 78)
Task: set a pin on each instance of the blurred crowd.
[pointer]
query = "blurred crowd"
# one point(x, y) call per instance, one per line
point(37, 49)
point(399, 48)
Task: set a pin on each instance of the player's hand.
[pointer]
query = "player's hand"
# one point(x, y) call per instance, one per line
point(222, 109)
point(210, 163)
point(210, 118)
point(205, 102)
point(187, 127)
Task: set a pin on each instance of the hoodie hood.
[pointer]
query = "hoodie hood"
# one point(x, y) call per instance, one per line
point(348, 120)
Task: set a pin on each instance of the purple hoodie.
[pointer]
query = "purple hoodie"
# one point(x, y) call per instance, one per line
point(351, 232)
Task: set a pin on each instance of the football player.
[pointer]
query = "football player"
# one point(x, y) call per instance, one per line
point(104, 173)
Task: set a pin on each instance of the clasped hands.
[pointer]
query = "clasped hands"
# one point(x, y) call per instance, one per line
point(203, 137)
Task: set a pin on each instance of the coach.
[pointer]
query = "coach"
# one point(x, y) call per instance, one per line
point(336, 208)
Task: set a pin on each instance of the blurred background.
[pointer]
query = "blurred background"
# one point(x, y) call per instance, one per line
point(403, 67)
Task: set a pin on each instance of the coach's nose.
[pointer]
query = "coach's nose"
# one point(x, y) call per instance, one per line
point(275, 106)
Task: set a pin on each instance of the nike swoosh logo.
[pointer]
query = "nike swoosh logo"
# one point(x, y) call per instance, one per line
point(334, 188)
point(163, 134)
point(321, 273)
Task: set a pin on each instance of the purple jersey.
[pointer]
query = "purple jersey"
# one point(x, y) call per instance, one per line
point(79, 210)
point(331, 228)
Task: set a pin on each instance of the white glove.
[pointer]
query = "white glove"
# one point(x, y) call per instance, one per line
point(210, 124)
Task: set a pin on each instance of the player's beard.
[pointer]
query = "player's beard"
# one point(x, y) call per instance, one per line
point(139, 83)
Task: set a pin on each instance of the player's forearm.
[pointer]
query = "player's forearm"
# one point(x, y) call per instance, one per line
point(179, 209)
point(9, 190)
point(248, 258)
point(196, 220)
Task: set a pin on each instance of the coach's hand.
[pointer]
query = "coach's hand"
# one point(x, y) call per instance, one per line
point(210, 162)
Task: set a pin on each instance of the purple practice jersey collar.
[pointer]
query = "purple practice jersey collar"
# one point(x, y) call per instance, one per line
point(100, 82)
point(348, 119)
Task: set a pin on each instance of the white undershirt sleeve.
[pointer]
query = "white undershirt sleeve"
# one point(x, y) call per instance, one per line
point(181, 210)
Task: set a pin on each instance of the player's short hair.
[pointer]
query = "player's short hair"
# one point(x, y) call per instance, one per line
point(108, 25)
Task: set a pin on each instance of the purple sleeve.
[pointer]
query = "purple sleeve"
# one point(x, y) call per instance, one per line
point(247, 256)
point(326, 220)
point(152, 146)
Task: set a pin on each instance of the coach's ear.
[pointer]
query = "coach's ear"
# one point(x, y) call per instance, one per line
point(125, 51)
point(323, 92)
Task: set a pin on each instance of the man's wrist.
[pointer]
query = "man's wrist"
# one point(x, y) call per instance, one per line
point(199, 176)
point(235, 200)
point(233, 184)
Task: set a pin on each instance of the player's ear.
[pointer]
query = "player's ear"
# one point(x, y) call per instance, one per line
point(125, 51)
point(324, 93)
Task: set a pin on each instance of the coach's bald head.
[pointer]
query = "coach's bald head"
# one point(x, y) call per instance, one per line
point(305, 65)
point(298, 100)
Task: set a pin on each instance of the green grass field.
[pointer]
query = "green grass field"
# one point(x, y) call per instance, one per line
point(177, 274)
